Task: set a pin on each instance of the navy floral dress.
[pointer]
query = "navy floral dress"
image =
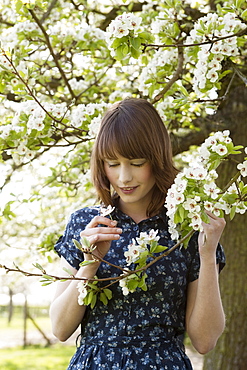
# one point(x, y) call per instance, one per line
point(142, 330)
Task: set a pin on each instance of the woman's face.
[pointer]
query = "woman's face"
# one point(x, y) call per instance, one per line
point(133, 181)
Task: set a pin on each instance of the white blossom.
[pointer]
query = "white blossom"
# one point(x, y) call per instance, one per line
point(106, 211)
point(220, 149)
point(82, 287)
point(134, 252)
point(242, 167)
point(211, 190)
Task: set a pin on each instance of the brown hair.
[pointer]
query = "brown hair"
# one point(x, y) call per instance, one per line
point(133, 128)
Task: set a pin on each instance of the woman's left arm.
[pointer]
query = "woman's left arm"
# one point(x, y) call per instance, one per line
point(205, 319)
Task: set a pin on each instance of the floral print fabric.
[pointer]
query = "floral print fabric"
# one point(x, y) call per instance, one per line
point(142, 330)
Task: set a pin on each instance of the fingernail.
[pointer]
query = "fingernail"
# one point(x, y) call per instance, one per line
point(113, 223)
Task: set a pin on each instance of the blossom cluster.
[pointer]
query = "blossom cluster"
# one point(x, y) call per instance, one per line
point(36, 114)
point(123, 36)
point(123, 25)
point(82, 287)
point(160, 60)
point(210, 56)
point(145, 246)
point(139, 246)
point(128, 283)
point(195, 192)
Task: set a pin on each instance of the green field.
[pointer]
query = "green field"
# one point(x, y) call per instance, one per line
point(36, 358)
point(32, 357)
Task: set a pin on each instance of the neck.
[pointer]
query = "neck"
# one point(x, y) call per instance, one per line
point(136, 213)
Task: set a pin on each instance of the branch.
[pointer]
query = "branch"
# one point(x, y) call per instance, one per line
point(47, 39)
point(72, 277)
point(212, 41)
point(48, 12)
point(174, 78)
point(6, 22)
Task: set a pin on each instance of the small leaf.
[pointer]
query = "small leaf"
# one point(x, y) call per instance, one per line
point(108, 293)
point(160, 248)
point(135, 43)
point(103, 298)
point(77, 244)
point(38, 266)
point(68, 271)
point(85, 242)
point(205, 217)
point(93, 302)
point(232, 212)
point(85, 263)
point(133, 284)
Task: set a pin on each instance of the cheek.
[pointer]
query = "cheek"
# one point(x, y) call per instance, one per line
point(108, 172)
point(147, 176)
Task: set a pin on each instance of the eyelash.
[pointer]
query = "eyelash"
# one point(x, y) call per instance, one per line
point(135, 165)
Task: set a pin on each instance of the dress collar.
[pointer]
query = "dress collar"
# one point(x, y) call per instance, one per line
point(119, 215)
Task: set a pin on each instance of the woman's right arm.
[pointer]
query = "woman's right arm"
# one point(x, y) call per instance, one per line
point(65, 312)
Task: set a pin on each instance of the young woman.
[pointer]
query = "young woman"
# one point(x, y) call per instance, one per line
point(132, 170)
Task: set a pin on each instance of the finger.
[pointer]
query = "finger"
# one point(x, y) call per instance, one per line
point(100, 230)
point(103, 238)
point(100, 220)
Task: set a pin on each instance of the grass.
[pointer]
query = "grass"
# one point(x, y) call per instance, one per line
point(32, 357)
point(36, 358)
point(17, 323)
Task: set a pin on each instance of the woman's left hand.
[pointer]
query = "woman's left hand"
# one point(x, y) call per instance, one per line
point(208, 239)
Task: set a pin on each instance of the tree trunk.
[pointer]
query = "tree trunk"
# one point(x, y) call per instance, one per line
point(10, 309)
point(231, 350)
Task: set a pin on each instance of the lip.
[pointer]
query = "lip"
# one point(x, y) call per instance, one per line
point(128, 189)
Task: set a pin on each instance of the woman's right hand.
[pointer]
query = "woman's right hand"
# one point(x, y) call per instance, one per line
point(101, 236)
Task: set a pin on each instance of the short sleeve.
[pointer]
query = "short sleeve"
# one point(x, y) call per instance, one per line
point(194, 258)
point(65, 246)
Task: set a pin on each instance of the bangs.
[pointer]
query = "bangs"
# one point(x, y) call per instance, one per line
point(121, 138)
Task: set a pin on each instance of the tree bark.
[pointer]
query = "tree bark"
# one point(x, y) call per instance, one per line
point(231, 350)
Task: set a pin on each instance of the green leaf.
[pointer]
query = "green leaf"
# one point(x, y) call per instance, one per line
point(77, 244)
point(47, 277)
point(18, 6)
point(205, 217)
point(86, 263)
point(244, 14)
point(121, 51)
point(232, 212)
point(108, 293)
point(177, 217)
point(103, 298)
point(90, 296)
point(85, 242)
point(119, 41)
point(142, 284)
point(46, 283)
point(93, 286)
point(38, 266)
point(135, 43)
point(93, 302)
point(135, 53)
point(133, 284)
point(159, 248)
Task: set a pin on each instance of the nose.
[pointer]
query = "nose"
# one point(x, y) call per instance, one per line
point(125, 174)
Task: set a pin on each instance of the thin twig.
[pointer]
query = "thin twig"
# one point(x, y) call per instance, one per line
point(126, 271)
point(48, 43)
point(212, 41)
point(174, 78)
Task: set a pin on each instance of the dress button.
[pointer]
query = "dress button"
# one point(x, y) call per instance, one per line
point(125, 313)
point(135, 228)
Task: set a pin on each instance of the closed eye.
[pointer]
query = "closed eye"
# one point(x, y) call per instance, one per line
point(138, 164)
point(112, 164)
